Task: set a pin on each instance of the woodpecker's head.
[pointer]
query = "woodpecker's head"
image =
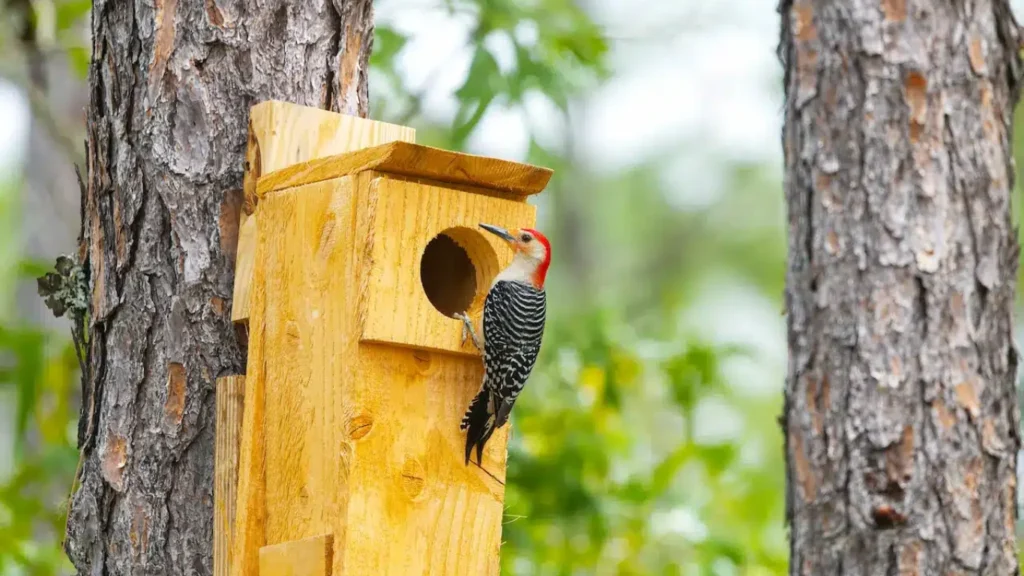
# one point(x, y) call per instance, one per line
point(532, 254)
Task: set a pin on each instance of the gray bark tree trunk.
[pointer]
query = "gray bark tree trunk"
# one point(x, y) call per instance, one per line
point(901, 416)
point(172, 82)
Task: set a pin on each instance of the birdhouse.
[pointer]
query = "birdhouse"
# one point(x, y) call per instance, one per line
point(356, 249)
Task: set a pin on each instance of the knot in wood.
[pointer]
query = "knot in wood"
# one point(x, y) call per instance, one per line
point(412, 478)
point(423, 360)
point(359, 426)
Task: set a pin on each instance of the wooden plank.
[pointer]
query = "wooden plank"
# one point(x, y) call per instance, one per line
point(306, 557)
point(250, 516)
point(396, 285)
point(414, 506)
point(282, 134)
point(244, 253)
point(243, 268)
point(307, 329)
point(230, 397)
point(414, 161)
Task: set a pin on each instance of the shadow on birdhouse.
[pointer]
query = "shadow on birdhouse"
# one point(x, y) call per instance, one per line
point(356, 249)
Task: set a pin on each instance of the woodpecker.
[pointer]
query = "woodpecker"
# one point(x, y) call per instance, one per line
point(513, 325)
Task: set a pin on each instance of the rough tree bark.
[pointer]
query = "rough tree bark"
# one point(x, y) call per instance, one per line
point(901, 416)
point(172, 82)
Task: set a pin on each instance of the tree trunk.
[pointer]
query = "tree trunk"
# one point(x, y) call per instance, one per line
point(901, 417)
point(172, 82)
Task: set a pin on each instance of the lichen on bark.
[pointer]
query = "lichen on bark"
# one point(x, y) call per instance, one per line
point(901, 418)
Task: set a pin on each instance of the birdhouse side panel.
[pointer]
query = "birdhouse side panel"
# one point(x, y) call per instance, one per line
point(414, 287)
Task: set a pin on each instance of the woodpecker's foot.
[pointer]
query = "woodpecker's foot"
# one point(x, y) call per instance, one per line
point(467, 328)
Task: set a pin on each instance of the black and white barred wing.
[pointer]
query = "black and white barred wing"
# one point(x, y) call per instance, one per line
point(514, 316)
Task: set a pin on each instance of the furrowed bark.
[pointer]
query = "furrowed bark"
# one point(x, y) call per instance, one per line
point(172, 82)
point(901, 416)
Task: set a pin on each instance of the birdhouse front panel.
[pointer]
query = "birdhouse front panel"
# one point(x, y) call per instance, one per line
point(429, 260)
point(407, 483)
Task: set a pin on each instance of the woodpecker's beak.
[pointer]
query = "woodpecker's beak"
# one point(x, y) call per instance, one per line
point(499, 232)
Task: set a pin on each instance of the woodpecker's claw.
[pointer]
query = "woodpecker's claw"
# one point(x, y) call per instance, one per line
point(465, 332)
point(467, 327)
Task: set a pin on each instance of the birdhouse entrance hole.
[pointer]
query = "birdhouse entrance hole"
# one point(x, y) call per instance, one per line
point(456, 268)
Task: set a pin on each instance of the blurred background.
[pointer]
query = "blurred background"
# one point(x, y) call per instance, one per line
point(647, 440)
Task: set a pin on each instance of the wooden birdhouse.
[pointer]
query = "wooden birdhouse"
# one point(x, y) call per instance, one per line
point(356, 248)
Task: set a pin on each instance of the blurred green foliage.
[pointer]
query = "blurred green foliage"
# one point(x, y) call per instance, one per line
point(38, 381)
point(612, 469)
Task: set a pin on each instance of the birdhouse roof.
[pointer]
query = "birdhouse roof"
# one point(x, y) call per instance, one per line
point(414, 161)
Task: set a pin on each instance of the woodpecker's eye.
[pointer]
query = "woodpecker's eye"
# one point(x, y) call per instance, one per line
point(525, 237)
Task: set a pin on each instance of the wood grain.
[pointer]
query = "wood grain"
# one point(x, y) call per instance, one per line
point(406, 217)
point(250, 518)
point(414, 161)
point(307, 557)
point(307, 328)
point(408, 483)
point(230, 398)
point(282, 134)
point(243, 268)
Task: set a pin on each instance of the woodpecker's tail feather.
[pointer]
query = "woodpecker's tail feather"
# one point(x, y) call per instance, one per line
point(480, 422)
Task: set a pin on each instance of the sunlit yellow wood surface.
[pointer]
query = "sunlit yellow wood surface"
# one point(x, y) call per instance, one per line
point(416, 161)
point(306, 557)
point(281, 135)
point(230, 396)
